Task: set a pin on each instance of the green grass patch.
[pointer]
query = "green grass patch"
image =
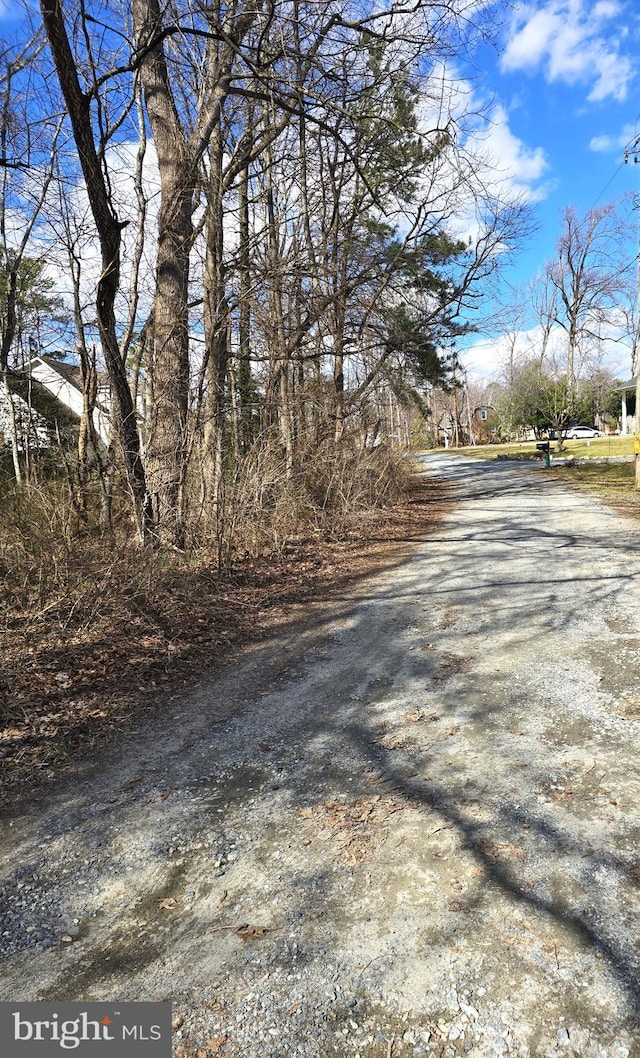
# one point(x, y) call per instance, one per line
point(609, 481)
point(612, 483)
point(595, 448)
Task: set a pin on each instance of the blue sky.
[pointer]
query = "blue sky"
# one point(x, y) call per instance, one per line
point(564, 91)
point(566, 83)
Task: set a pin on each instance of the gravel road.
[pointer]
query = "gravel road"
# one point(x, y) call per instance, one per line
point(406, 826)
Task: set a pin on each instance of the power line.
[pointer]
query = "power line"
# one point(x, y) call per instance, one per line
point(632, 149)
point(609, 183)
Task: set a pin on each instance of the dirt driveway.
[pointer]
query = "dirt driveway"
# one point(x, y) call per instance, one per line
point(409, 826)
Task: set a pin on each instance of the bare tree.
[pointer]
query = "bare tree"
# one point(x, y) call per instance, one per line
point(305, 248)
point(31, 138)
point(91, 146)
point(586, 279)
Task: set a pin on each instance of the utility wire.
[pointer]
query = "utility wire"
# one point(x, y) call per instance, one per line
point(630, 149)
point(609, 183)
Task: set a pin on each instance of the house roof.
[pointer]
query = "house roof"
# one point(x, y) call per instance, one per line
point(631, 384)
point(69, 372)
point(45, 404)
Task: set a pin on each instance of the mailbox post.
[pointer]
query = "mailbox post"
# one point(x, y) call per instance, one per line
point(545, 447)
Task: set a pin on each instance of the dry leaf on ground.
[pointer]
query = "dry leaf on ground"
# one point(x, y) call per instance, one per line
point(252, 932)
point(216, 1044)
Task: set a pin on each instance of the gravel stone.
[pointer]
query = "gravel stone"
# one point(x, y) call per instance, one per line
point(438, 851)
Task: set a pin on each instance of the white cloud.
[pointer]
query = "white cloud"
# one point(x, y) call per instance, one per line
point(504, 163)
point(486, 359)
point(606, 143)
point(571, 42)
point(521, 166)
point(50, 241)
point(603, 144)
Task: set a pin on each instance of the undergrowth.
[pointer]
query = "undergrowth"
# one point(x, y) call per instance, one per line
point(95, 630)
point(55, 567)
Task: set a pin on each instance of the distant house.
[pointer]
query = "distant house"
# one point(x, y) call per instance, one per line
point(31, 424)
point(485, 423)
point(629, 423)
point(64, 382)
point(47, 397)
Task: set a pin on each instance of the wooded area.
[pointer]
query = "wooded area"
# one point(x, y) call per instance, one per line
point(266, 224)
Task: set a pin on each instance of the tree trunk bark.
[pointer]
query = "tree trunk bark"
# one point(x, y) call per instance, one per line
point(109, 234)
point(216, 319)
point(244, 309)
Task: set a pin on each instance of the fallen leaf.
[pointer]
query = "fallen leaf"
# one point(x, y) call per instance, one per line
point(252, 932)
point(217, 1043)
point(167, 903)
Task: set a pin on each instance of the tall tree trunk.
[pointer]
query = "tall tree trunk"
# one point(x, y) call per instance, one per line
point(244, 307)
point(279, 353)
point(109, 235)
point(179, 158)
point(169, 359)
point(167, 444)
point(216, 319)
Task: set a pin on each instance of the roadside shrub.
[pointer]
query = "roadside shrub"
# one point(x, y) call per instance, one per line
point(330, 490)
point(57, 567)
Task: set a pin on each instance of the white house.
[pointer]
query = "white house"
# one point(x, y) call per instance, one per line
point(629, 424)
point(30, 423)
point(60, 381)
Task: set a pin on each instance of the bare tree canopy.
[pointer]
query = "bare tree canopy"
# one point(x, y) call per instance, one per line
point(268, 217)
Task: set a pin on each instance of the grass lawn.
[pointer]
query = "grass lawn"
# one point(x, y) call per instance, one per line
point(613, 483)
point(596, 448)
point(603, 478)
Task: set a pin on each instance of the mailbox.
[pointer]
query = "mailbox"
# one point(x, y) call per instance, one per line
point(545, 448)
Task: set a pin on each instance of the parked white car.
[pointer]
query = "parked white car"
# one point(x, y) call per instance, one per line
point(575, 433)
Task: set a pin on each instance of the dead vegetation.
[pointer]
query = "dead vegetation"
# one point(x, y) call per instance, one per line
point(357, 829)
point(96, 633)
